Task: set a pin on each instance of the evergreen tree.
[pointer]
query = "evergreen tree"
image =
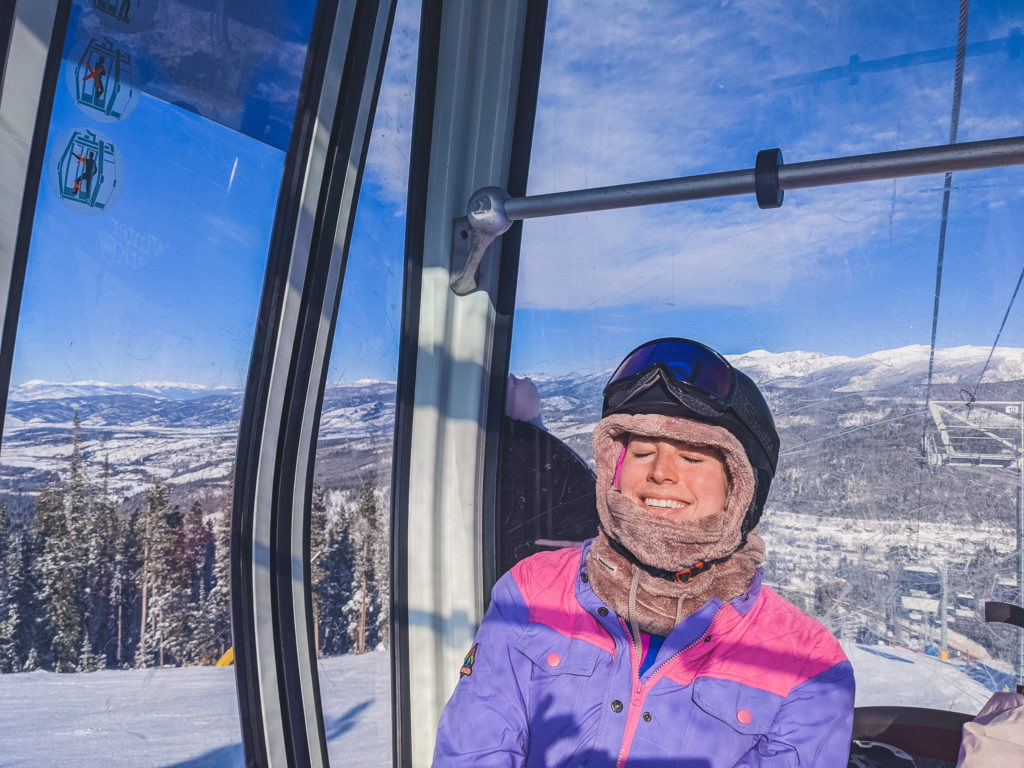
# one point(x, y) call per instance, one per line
point(319, 543)
point(217, 610)
point(56, 569)
point(5, 546)
point(197, 551)
point(165, 582)
point(336, 589)
point(77, 507)
point(26, 621)
point(201, 647)
point(7, 660)
point(367, 608)
point(9, 619)
point(102, 540)
point(353, 594)
point(126, 596)
point(380, 554)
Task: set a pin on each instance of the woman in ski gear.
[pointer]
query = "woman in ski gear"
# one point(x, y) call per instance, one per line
point(656, 644)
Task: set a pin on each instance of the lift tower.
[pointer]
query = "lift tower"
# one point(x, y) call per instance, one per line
point(984, 434)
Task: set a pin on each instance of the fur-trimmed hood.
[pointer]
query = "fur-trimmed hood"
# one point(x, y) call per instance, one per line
point(651, 603)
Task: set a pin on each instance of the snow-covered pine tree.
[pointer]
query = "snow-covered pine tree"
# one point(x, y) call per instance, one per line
point(196, 549)
point(10, 615)
point(217, 610)
point(27, 620)
point(65, 624)
point(319, 541)
point(5, 546)
point(350, 569)
point(335, 591)
point(78, 513)
point(6, 599)
point(89, 660)
point(166, 590)
point(380, 555)
point(56, 568)
point(196, 552)
point(128, 583)
point(201, 646)
point(75, 591)
point(102, 539)
point(367, 570)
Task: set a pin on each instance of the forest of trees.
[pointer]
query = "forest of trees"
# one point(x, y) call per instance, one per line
point(87, 583)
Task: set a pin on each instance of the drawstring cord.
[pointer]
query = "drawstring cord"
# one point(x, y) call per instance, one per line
point(633, 625)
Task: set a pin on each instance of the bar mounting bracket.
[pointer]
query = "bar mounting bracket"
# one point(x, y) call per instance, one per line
point(484, 222)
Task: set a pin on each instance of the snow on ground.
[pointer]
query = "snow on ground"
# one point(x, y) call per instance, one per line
point(178, 718)
point(899, 677)
point(188, 718)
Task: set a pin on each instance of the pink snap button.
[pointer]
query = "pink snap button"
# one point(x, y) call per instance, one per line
point(554, 659)
point(744, 717)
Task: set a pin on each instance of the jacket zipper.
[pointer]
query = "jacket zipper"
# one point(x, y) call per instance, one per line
point(639, 689)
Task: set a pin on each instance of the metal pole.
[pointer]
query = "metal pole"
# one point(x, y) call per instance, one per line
point(943, 644)
point(724, 184)
point(1020, 551)
point(974, 155)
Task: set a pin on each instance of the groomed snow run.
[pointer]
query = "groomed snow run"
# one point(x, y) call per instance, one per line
point(178, 718)
point(188, 718)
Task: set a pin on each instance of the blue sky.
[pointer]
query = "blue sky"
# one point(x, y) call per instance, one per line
point(165, 285)
point(660, 90)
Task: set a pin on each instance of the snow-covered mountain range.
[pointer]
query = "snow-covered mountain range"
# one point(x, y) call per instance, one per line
point(886, 369)
point(184, 433)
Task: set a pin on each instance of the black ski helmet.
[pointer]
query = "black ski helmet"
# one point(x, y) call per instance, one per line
point(684, 378)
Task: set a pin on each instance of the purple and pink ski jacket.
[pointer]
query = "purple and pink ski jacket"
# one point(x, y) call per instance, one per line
point(552, 680)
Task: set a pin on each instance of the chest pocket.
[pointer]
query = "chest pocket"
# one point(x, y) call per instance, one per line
point(553, 653)
point(747, 711)
point(568, 680)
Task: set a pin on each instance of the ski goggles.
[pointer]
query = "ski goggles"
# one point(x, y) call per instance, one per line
point(698, 378)
point(688, 362)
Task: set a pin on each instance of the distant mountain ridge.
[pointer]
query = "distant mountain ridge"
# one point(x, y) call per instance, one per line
point(885, 369)
point(876, 370)
point(185, 433)
point(49, 390)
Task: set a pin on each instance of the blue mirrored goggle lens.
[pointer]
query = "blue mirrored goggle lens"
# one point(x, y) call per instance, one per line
point(689, 362)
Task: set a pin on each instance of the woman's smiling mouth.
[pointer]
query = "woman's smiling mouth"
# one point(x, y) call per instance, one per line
point(663, 503)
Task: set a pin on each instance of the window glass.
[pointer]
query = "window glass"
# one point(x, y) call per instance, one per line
point(162, 168)
point(350, 532)
point(890, 521)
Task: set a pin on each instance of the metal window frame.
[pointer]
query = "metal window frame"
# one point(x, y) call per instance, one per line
point(276, 675)
point(33, 47)
point(272, 613)
point(476, 90)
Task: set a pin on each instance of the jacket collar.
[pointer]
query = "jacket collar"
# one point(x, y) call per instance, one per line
point(687, 632)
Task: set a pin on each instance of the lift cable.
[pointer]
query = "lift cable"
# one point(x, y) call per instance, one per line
point(954, 125)
point(972, 393)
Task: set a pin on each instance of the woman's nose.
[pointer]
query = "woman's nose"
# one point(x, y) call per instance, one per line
point(663, 470)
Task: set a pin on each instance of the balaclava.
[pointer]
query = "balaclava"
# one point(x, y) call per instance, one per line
point(652, 603)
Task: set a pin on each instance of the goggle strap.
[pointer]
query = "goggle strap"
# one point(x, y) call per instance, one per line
point(759, 427)
point(624, 393)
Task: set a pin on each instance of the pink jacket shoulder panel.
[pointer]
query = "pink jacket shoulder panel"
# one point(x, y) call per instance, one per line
point(775, 648)
point(547, 582)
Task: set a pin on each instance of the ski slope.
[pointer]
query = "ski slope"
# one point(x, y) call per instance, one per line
point(900, 677)
point(188, 718)
point(177, 718)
